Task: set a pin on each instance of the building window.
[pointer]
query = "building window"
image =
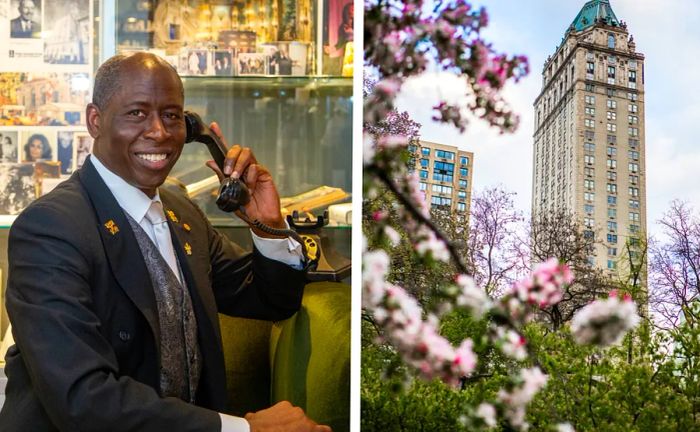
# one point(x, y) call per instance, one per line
point(437, 201)
point(588, 208)
point(590, 99)
point(633, 143)
point(634, 192)
point(444, 154)
point(461, 207)
point(633, 167)
point(612, 127)
point(612, 139)
point(423, 174)
point(423, 186)
point(611, 104)
point(612, 226)
point(612, 238)
point(590, 69)
point(463, 160)
point(634, 229)
point(589, 111)
point(412, 148)
point(634, 204)
point(633, 154)
point(589, 135)
point(612, 163)
point(464, 172)
point(589, 123)
point(612, 264)
point(634, 217)
point(589, 147)
point(632, 64)
point(589, 196)
point(588, 222)
point(610, 92)
point(463, 184)
point(611, 188)
point(612, 213)
point(611, 40)
point(612, 115)
point(590, 87)
point(588, 184)
point(424, 163)
point(612, 251)
point(588, 234)
point(588, 171)
point(611, 74)
point(442, 189)
point(632, 96)
point(632, 108)
point(612, 175)
point(425, 151)
point(612, 151)
point(462, 194)
point(589, 159)
point(632, 119)
point(612, 200)
point(634, 179)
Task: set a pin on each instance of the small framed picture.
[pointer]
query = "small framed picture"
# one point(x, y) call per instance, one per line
point(37, 144)
point(223, 62)
point(82, 142)
point(287, 58)
point(9, 145)
point(65, 151)
point(252, 64)
point(17, 187)
point(194, 62)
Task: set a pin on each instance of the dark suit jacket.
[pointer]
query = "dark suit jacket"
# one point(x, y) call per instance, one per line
point(17, 32)
point(85, 320)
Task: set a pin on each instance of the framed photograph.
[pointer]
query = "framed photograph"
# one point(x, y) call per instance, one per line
point(338, 21)
point(65, 151)
point(252, 64)
point(223, 62)
point(43, 99)
point(9, 143)
point(194, 62)
point(37, 144)
point(68, 22)
point(82, 142)
point(25, 22)
point(287, 58)
point(17, 187)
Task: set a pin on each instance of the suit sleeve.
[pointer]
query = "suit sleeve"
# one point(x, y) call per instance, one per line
point(249, 285)
point(72, 367)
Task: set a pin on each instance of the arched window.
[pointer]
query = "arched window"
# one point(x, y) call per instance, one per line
point(611, 40)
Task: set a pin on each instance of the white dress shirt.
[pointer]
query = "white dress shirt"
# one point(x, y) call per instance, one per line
point(136, 203)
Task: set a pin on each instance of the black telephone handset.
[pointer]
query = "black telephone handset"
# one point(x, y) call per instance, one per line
point(233, 193)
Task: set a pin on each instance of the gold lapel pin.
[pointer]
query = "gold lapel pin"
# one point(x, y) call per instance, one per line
point(111, 227)
point(172, 216)
point(186, 227)
point(188, 249)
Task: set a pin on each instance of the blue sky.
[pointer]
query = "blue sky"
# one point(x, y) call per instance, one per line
point(666, 32)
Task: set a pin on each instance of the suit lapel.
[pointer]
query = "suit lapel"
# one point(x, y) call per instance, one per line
point(122, 249)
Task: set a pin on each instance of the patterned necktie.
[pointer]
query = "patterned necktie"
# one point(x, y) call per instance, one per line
point(162, 239)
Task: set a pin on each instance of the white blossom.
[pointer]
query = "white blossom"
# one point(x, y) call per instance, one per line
point(605, 322)
point(487, 413)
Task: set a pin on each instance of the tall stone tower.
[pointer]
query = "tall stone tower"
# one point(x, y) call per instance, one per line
point(589, 134)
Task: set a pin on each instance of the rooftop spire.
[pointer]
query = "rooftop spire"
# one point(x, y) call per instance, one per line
point(594, 11)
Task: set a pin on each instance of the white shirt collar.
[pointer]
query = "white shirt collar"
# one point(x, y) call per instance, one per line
point(131, 199)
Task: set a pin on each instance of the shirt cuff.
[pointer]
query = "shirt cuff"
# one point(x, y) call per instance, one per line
point(285, 250)
point(233, 424)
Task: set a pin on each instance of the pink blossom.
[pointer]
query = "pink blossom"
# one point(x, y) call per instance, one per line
point(393, 235)
point(487, 413)
point(471, 296)
point(430, 245)
point(511, 343)
point(605, 321)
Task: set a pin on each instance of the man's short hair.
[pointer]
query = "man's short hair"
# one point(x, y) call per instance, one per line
point(108, 77)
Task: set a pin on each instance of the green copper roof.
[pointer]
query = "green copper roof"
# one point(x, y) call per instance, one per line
point(592, 11)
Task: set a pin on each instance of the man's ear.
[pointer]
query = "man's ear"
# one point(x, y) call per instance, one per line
point(94, 116)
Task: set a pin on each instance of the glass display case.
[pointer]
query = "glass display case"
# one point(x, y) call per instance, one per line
point(275, 75)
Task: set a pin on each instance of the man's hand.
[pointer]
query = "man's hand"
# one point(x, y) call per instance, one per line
point(283, 417)
point(264, 200)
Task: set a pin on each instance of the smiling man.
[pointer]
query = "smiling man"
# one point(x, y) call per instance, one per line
point(114, 306)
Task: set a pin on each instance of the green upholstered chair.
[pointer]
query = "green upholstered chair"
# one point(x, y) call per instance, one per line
point(309, 358)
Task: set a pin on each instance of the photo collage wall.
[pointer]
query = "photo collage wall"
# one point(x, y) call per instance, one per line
point(45, 78)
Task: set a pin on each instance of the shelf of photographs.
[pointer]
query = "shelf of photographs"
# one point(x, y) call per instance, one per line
point(242, 38)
